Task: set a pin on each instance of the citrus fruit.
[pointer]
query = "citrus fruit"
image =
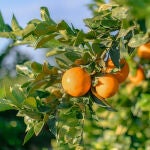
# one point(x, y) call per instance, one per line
point(138, 77)
point(107, 86)
point(144, 51)
point(120, 75)
point(76, 81)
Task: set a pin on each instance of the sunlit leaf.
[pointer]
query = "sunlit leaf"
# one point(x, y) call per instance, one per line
point(55, 52)
point(38, 127)
point(46, 16)
point(30, 102)
point(137, 40)
point(15, 25)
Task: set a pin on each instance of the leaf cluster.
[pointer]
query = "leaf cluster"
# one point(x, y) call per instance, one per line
point(41, 100)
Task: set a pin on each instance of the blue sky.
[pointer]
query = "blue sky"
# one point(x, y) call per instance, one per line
point(72, 11)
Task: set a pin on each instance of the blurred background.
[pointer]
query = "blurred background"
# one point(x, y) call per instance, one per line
point(73, 12)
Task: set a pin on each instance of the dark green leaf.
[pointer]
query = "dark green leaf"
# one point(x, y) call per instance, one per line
point(43, 107)
point(42, 94)
point(101, 101)
point(72, 55)
point(2, 23)
point(37, 67)
point(52, 125)
point(79, 39)
point(114, 53)
point(96, 48)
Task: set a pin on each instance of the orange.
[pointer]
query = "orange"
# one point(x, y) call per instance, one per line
point(139, 76)
point(120, 75)
point(144, 51)
point(107, 86)
point(76, 81)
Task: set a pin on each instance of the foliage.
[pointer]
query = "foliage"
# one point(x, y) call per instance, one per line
point(42, 101)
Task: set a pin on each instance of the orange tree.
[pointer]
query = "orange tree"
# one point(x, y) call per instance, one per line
point(114, 32)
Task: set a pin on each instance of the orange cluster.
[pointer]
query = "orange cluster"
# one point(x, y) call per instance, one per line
point(143, 52)
point(77, 82)
point(108, 84)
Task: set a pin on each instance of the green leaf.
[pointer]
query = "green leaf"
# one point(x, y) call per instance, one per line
point(42, 93)
point(23, 70)
point(26, 31)
point(120, 13)
point(30, 102)
point(14, 24)
point(55, 51)
point(2, 23)
point(52, 124)
point(44, 28)
point(7, 35)
point(79, 39)
point(124, 32)
point(138, 40)
point(34, 21)
point(18, 94)
point(62, 63)
point(30, 113)
point(36, 67)
point(28, 136)
point(96, 48)
point(42, 40)
point(43, 107)
point(101, 101)
point(147, 24)
point(64, 26)
point(5, 105)
point(72, 55)
point(46, 16)
point(144, 102)
point(38, 127)
point(114, 53)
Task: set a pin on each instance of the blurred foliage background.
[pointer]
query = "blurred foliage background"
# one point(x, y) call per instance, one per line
point(126, 129)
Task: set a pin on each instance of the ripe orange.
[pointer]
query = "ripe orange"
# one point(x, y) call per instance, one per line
point(107, 86)
point(76, 81)
point(139, 76)
point(120, 75)
point(144, 51)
